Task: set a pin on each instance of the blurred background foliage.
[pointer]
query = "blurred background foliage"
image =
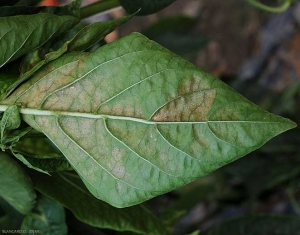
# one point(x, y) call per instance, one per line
point(258, 54)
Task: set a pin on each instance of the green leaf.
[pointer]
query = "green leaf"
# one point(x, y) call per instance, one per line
point(259, 225)
point(84, 39)
point(50, 164)
point(11, 120)
point(30, 60)
point(174, 33)
point(69, 191)
point(8, 75)
point(16, 186)
point(21, 34)
point(93, 33)
point(48, 217)
point(4, 84)
point(27, 163)
point(37, 147)
point(72, 9)
point(11, 219)
point(146, 7)
point(39, 153)
point(15, 136)
point(141, 119)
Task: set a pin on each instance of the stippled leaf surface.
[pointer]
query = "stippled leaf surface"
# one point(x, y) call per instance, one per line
point(135, 120)
point(68, 189)
point(146, 7)
point(16, 187)
point(259, 225)
point(21, 34)
point(47, 217)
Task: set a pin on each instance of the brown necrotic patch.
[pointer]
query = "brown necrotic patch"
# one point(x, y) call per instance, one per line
point(193, 107)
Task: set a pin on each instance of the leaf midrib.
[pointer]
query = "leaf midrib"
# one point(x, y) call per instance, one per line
point(37, 112)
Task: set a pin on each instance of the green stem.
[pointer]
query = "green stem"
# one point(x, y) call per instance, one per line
point(98, 7)
point(264, 7)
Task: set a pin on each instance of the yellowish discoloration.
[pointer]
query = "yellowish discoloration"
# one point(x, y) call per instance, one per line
point(193, 84)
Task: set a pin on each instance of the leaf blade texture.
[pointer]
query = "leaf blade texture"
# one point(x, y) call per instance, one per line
point(16, 186)
point(21, 34)
point(137, 121)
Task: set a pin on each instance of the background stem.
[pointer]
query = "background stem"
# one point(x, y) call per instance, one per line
point(98, 7)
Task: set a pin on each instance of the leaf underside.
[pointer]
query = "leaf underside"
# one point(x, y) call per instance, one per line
point(135, 120)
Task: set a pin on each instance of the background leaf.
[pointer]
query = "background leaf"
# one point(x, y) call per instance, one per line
point(11, 120)
point(84, 39)
point(37, 146)
point(93, 33)
point(259, 225)
point(21, 34)
point(8, 75)
point(16, 187)
point(27, 163)
point(174, 34)
point(11, 218)
point(146, 7)
point(141, 119)
point(50, 164)
point(47, 216)
point(68, 190)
